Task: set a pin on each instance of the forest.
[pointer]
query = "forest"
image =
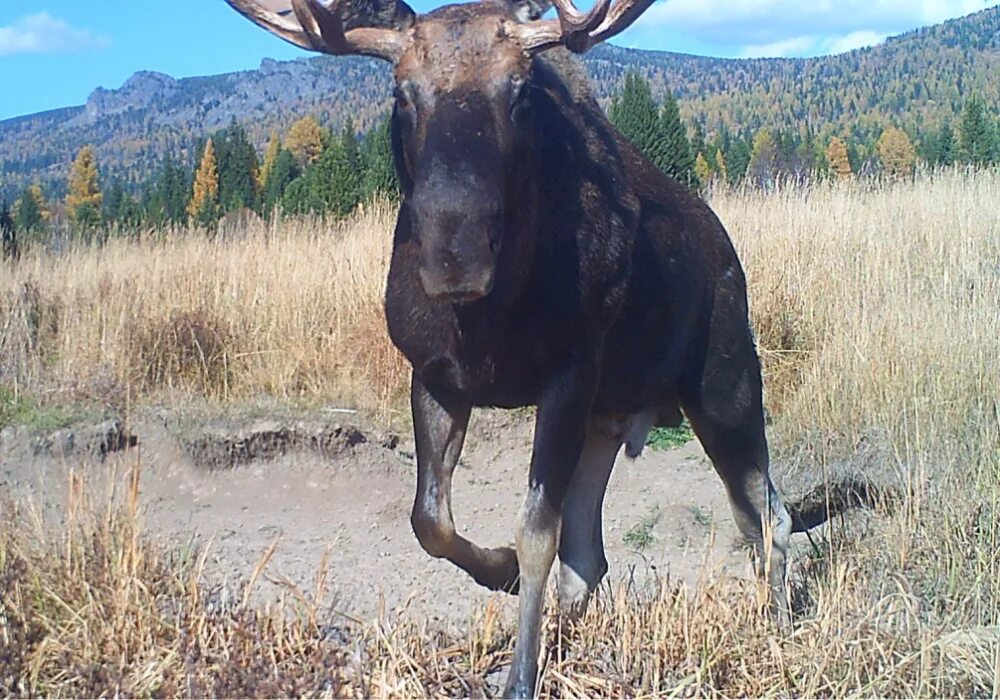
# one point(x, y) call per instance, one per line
point(310, 169)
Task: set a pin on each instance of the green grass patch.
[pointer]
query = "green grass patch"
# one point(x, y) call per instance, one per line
point(18, 409)
point(670, 438)
point(640, 535)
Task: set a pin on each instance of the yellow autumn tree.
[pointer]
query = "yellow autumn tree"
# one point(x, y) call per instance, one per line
point(703, 169)
point(896, 152)
point(840, 164)
point(83, 201)
point(270, 155)
point(305, 140)
point(721, 165)
point(203, 207)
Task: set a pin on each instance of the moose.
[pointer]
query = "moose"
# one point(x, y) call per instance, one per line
point(540, 260)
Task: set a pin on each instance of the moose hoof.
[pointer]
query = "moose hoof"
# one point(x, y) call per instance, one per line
point(501, 571)
point(519, 691)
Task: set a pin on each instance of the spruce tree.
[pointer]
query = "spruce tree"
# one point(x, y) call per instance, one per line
point(677, 160)
point(947, 148)
point(738, 159)
point(348, 192)
point(976, 133)
point(112, 202)
point(8, 233)
point(282, 171)
point(238, 168)
point(376, 160)
point(634, 113)
point(30, 210)
point(166, 200)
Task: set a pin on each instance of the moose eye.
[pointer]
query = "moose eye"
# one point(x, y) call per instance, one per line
point(404, 97)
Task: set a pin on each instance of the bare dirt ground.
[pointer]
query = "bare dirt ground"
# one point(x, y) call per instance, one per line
point(318, 485)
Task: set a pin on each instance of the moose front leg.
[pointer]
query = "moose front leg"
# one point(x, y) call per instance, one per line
point(560, 429)
point(439, 427)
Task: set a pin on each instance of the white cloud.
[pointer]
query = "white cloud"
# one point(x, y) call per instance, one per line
point(854, 40)
point(779, 49)
point(777, 25)
point(813, 45)
point(43, 33)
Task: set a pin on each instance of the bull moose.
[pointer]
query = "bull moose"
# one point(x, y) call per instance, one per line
point(540, 260)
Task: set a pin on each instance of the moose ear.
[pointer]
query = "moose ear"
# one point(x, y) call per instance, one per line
point(530, 10)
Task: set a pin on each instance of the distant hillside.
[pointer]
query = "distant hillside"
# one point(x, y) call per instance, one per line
point(914, 80)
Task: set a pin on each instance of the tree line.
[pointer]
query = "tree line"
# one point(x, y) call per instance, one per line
point(310, 170)
point(766, 157)
point(307, 170)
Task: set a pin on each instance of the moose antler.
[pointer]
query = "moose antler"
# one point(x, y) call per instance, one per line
point(579, 31)
point(320, 27)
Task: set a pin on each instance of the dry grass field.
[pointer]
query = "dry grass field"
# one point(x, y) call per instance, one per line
point(877, 313)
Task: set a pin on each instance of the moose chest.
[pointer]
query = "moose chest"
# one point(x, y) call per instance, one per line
point(488, 356)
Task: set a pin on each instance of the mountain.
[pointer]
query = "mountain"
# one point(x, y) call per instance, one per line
point(914, 80)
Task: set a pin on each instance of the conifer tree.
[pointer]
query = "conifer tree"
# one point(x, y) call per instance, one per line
point(945, 146)
point(836, 155)
point(376, 160)
point(9, 245)
point(896, 152)
point(84, 198)
point(204, 205)
point(348, 192)
point(677, 160)
point(31, 211)
point(976, 133)
point(737, 157)
point(236, 161)
point(120, 207)
point(167, 201)
point(635, 115)
point(281, 173)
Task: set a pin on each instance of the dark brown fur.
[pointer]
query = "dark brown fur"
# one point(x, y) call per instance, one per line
point(540, 259)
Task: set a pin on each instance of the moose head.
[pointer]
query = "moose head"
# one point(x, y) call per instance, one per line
point(463, 120)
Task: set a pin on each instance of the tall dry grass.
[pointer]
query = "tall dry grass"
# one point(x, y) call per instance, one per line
point(877, 313)
point(97, 607)
point(875, 310)
point(291, 310)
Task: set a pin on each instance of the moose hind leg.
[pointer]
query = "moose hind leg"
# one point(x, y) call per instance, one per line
point(740, 457)
point(581, 544)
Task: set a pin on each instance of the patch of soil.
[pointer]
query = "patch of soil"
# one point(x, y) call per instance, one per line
point(316, 487)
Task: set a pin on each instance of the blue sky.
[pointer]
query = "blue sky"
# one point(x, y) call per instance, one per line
point(54, 52)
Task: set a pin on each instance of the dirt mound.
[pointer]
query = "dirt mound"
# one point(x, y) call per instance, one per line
point(226, 448)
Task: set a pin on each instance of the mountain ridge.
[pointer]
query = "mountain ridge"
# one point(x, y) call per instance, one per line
point(915, 80)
